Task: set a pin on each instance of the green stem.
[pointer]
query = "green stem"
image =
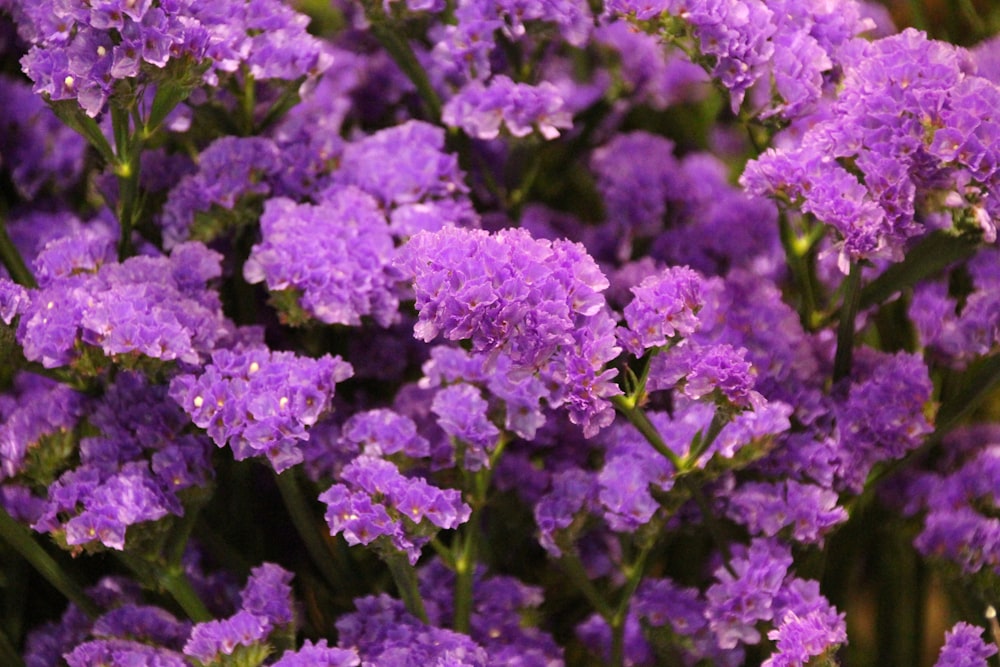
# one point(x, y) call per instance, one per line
point(634, 577)
point(308, 529)
point(12, 260)
point(698, 494)
point(573, 568)
point(798, 265)
point(8, 652)
point(638, 418)
point(401, 52)
point(405, 577)
point(128, 148)
point(18, 537)
point(845, 328)
point(702, 443)
point(170, 579)
point(465, 570)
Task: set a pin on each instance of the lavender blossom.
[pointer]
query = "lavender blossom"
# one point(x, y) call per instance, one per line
point(301, 242)
point(260, 402)
point(964, 647)
point(480, 110)
point(810, 511)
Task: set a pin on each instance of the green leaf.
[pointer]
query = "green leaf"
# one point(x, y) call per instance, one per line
point(70, 113)
point(935, 253)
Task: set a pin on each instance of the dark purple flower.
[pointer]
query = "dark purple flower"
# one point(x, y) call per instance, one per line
point(964, 647)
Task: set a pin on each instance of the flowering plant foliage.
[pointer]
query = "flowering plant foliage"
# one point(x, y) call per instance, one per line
point(499, 332)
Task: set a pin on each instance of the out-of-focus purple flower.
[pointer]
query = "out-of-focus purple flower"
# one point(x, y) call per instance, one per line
point(573, 491)
point(382, 432)
point(810, 511)
point(964, 647)
point(461, 413)
point(122, 653)
point(384, 633)
point(260, 402)
point(318, 655)
point(481, 109)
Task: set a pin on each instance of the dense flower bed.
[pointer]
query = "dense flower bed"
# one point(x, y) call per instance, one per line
point(497, 332)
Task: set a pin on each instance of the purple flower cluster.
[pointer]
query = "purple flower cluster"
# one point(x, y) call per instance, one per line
point(300, 243)
point(156, 307)
point(376, 500)
point(80, 51)
point(473, 285)
point(260, 402)
point(480, 110)
point(134, 471)
point(964, 647)
point(910, 129)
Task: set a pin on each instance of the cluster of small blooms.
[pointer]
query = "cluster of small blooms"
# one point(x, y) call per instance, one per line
point(916, 129)
point(36, 148)
point(964, 647)
point(425, 188)
point(260, 402)
point(882, 417)
point(768, 508)
point(229, 169)
point(376, 500)
point(791, 46)
point(80, 51)
point(480, 110)
point(384, 633)
point(133, 472)
point(266, 607)
point(473, 285)
point(495, 622)
point(959, 523)
point(153, 306)
point(956, 335)
point(300, 242)
point(664, 308)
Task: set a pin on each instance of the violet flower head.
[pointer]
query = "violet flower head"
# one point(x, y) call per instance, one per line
point(376, 500)
point(481, 110)
point(537, 302)
point(802, 638)
point(384, 633)
point(462, 413)
point(157, 307)
point(318, 655)
point(37, 411)
point(665, 306)
point(382, 432)
point(301, 242)
point(964, 647)
point(806, 511)
point(260, 402)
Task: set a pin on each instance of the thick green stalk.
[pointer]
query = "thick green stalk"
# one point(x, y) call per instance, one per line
point(18, 537)
point(845, 328)
point(128, 148)
point(308, 529)
point(465, 570)
point(405, 577)
point(634, 575)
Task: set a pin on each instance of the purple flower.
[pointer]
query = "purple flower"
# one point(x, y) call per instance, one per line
point(260, 402)
point(802, 638)
point(480, 110)
point(964, 647)
point(461, 413)
point(318, 655)
point(769, 508)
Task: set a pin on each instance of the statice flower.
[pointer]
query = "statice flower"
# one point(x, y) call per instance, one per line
point(260, 402)
point(266, 607)
point(157, 307)
point(800, 639)
point(882, 417)
point(808, 510)
point(637, 176)
point(538, 303)
point(122, 653)
point(964, 647)
point(384, 633)
point(631, 468)
point(664, 308)
point(957, 335)
point(318, 655)
point(462, 413)
point(480, 110)
point(717, 371)
point(376, 500)
point(914, 125)
point(382, 432)
point(230, 170)
point(36, 422)
point(300, 242)
point(133, 471)
point(573, 493)
point(37, 149)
